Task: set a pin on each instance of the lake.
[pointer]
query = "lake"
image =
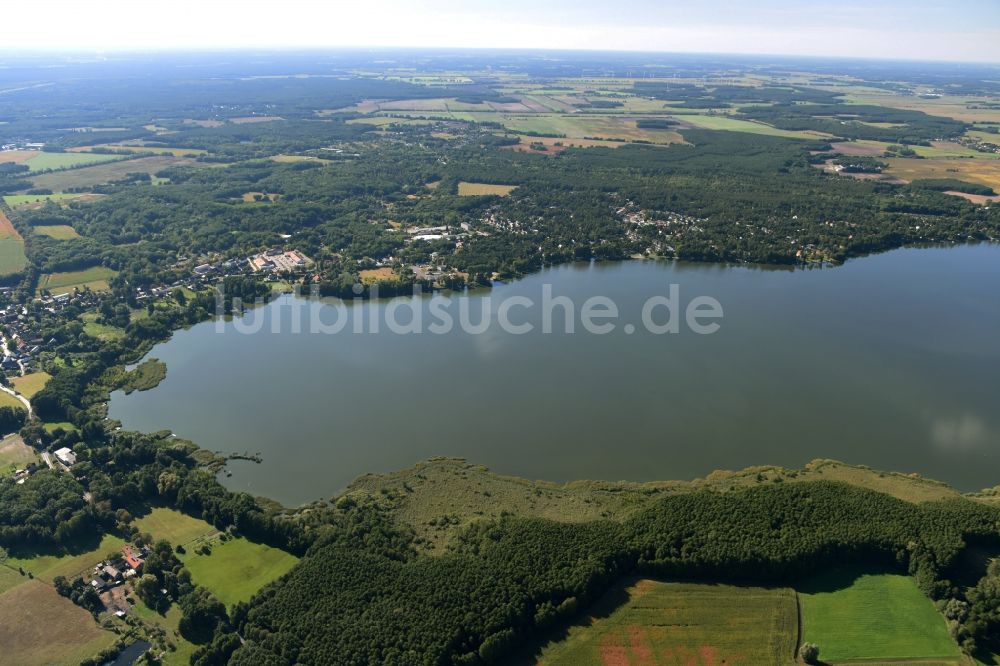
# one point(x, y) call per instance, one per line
point(891, 361)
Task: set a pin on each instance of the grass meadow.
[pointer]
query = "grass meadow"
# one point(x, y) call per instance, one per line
point(236, 569)
point(70, 563)
point(96, 278)
point(57, 231)
point(30, 384)
point(174, 526)
point(852, 615)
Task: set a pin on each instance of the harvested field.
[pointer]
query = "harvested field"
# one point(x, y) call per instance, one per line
point(140, 149)
point(483, 189)
point(653, 622)
point(203, 123)
point(374, 275)
point(981, 199)
point(7, 229)
point(983, 171)
point(16, 156)
point(37, 626)
point(247, 120)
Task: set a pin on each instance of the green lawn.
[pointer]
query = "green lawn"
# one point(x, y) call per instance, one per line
point(15, 200)
point(12, 257)
point(45, 161)
point(862, 616)
point(69, 564)
point(238, 568)
point(653, 622)
point(174, 526)
point(65, 425)
point(96, 278)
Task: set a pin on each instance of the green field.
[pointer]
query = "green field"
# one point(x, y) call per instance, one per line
point(15, 200)
point(68, 564)
point(861, 616)
point(57, 231)
point(174, 526)
point(652, 622)
point(48, 161)
point(95, 278)
point(236, 569)
point(12, 257)
point(38, 627)
point(30, 384)
point(10, 578)
point(735, 125)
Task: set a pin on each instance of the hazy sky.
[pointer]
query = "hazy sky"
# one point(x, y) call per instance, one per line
point(965, 30)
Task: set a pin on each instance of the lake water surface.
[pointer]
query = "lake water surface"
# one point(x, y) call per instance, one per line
point(892, 361)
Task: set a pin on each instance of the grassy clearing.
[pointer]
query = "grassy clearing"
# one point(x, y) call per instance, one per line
point(652, 622)
point(174, 526)
point(30, 384)
point(124, 148)
point(16, 200)
point(9, 579)
point(95, 278)
point(736, 125)
point(56, 425)
point(37, 626)
point(7, 400)
point(483, 189)
point(50, 161)
point(103, 331)
point(69, 564)
point(237, 568)
point(57, 231)
point(104, 173)
point(15, 453)
point(852, 615)
point(12, 257)
point(373, 275)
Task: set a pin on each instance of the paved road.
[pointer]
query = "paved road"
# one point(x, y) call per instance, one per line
point(5, 389)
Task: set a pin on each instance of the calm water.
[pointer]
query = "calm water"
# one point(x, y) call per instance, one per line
point(891, 361)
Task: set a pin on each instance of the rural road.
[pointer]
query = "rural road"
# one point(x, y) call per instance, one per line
point(6, 389)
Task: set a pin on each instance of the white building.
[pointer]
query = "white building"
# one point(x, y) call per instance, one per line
point(66, 456)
